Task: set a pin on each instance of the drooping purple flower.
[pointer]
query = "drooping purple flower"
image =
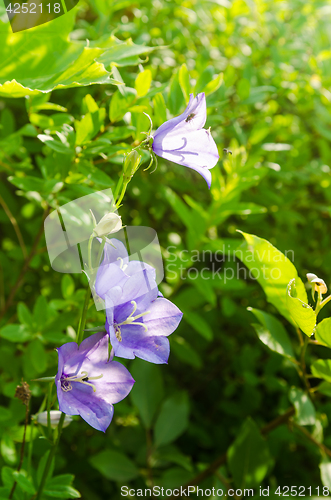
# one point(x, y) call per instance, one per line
point(183, 139)
point(88, 384)
point(138, 318)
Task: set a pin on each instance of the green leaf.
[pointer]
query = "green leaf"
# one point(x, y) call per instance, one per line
point(172, 420)
point(37, 355)
point(120, 103)
point(60, 487)
point(248, 456)
point(143, 82)
point(204, 78)
point(323, 332)
point(15, 333)
point(199, 324)
point(24, 482)
point(175, 97)
point(322, 369)
point(214, 84)
point(303, 315)
point(272, 333)
point(115, 466)
point(272, 269)
point(243, 89)
point(147, 392)
point(56, 145)
point(24, 315)
point(8, 450)
point(304, 408)
point(67, 286)
point(184, 81)
point(40, 312)
point(160, 110)
point(185, 352)
point(41, 468)
point(69, 63)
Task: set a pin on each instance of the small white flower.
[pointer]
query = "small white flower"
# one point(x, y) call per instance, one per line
point(110, 223)
point(55, 418)
point(320, 285)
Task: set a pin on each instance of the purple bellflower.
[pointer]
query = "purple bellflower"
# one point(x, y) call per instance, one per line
point(138, 318)
point(88, 384)
point(183, 139)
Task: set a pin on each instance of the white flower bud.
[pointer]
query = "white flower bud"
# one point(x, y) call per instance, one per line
point(110, 223)
point(320, 285)
point(55, 418)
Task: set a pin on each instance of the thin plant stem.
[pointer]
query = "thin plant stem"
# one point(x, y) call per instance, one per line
point(122, 194)
point(303, 365)
point(15, 226)
point(25, 267)
point(50, 457)
point(82, 321)
point(49, 403)
point(118, 187)
point(22, 449)
point(322, 304)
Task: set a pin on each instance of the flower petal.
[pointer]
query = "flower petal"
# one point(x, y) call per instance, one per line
point(82, 401)
point(196, 149)
point(196, 106)
point(163, 318)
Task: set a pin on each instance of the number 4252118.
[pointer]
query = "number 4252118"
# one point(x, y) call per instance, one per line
point(33, 8)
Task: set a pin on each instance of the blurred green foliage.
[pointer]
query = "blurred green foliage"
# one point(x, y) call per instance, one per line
point(265, 68)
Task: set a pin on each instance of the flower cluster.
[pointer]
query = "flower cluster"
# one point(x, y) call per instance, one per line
point(138, 322)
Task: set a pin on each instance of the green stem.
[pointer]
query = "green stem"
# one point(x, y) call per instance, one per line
point(118, 187)
point(322, 304)
point(303, 364)
point(49, 402)
point(89, 253)
point(50, 458)
point(122, 194)
point(82, 321)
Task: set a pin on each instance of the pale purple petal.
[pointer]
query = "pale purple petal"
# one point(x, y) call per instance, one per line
point(163, 317)
point(108, 276)
point(196, 150)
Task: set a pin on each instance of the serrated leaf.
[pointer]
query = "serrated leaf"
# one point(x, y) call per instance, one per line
point(303, 315)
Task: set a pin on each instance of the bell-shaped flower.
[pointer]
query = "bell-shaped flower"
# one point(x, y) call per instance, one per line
point(138, 318)
point(88, 384)
point(183, 139)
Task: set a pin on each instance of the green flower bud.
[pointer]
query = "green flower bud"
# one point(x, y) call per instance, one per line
point(131, 164)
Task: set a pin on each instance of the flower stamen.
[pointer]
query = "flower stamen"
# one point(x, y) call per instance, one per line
point(130, 320)
point(84, 379)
